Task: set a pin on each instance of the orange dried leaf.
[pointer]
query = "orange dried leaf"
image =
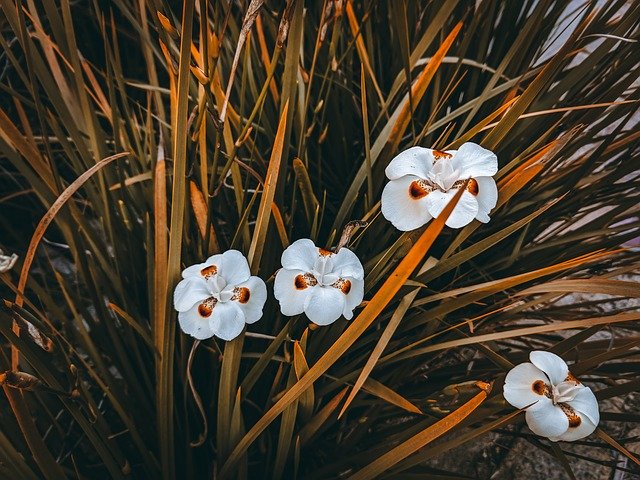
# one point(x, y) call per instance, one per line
point(412, 445)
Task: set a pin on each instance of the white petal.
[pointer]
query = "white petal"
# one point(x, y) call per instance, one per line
point(234, 267)
point(463, 213)
point(192, 323)
point(196, 270)
point(347, 264)
point(227, 320)
point(300, 255)
point(324, 305)
point(551, 364)
point(549, 421)
point(7, 261)
point(473, 161)
point(290, 296)
point(413, 161)
point(585, 402)
point(252, 300)
point(483, 217)
point(324, 264)
point(188, 292)
point(586, 428)
point(353, 298)
point(487, 197)
point(405, 211)
point(522, 386)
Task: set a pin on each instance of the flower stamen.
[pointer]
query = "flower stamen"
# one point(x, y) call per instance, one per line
point(565, 392)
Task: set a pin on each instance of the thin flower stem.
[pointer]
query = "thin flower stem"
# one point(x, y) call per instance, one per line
point(196, 397)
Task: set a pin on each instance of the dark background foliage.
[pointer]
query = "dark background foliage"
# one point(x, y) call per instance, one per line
point(329, 92)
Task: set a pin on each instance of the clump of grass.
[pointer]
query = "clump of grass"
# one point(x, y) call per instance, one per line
point(250, 125)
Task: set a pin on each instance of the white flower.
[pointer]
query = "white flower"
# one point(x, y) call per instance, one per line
point(322, 284)
point(559, 407)
point(7, 261)
point(423, 181)
point(218, 297)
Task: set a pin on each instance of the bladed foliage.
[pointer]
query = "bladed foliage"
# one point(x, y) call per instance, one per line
point(252, 124)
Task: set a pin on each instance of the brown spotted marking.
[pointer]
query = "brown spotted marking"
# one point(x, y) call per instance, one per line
point(541, 388)
point(324, 252)
point(343, 285)
point(241, 294)
point(206, 308)
point(207, 272)
point(572, 378)
point(575, 421)
point(574, 418)
point(472, 187)
point(419, 189)
point(439, 155)
point(303, 281)
point(300, 282)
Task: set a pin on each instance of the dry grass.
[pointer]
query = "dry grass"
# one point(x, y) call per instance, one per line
point(249, 126)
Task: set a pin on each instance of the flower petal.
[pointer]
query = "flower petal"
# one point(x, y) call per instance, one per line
point(581, 428)
point(585, 402)
point(300, 255)
point(463, 213)
point(202, 270)
point(404, 203)
point(188, 292)
point(354, 297)
point(234, 267)
point(7, 261)
point(551, 364)
point(194, 324)
point(347, 264)
point(291, 289)
point(547, 421)
point(227, 320)
point(324, 305)
point(473, 161)
point(487, 197)
point(525, 385)
point(251, 297)
point(413, 161)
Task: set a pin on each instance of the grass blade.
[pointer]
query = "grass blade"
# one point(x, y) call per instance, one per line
point(423, 438)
